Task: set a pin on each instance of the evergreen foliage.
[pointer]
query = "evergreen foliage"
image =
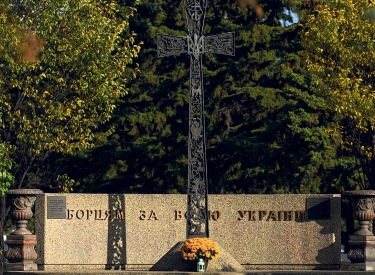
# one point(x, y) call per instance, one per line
point(266, 130)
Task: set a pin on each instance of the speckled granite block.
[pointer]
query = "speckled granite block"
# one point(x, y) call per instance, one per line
point(89, 241)
point(151, 230)
point(153, 224)
point(313, 243)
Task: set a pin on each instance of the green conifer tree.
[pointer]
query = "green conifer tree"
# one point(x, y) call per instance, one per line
point(258, 106)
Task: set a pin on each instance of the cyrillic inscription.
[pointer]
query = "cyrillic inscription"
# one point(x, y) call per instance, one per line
point(152, 215)
point(212, 215)
point(148, 215)
point(271, 215)
point(96, 214)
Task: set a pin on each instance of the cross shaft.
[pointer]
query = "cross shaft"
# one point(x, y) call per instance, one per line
point(195, 44)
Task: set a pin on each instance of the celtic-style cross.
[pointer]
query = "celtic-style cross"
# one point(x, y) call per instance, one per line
point(195, 44)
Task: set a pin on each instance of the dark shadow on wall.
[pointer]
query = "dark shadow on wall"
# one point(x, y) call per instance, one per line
point(116, 233)
point(323, 212)
point(325, 256)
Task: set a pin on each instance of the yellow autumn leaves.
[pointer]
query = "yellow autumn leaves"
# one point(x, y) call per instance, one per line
point(71, 75)
point(339, 43)
point(200, 248)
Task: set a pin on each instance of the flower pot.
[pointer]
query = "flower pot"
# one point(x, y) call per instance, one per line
point(21, 202)
point(363, 202)
point(21, 243)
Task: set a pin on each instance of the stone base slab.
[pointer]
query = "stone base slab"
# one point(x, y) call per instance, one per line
point(291, 267)
point(366, 266)
point(53, 268)
point(123, 272)
point(23, 266)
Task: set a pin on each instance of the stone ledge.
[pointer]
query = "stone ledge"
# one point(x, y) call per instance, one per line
point(125, 272)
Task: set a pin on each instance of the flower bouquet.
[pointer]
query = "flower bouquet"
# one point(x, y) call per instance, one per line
point(200, 248)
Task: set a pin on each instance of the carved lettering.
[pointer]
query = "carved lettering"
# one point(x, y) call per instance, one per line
point(89, 213)
point(215, 215)
point(98, 215)
point(288, 215)
point(143, 215)
point(252, 215)
point(242, 214)
point(178, 215)
point(80, 214)
point(153, 215)
point(119, 215)
point(108, 214)
point(262, 214)
point(273, 215)
point(300, 215)
point(70, 214)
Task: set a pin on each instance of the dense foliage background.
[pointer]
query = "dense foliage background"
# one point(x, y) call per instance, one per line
point(339, 42)
point(63, 66)
point(291, 112)
point(267, 130)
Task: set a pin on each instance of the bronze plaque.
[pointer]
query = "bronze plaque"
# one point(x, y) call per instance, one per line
point(56, 207)
point(318, 208)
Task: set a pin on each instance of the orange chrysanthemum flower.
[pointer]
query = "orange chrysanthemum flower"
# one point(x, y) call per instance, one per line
point(199, 248)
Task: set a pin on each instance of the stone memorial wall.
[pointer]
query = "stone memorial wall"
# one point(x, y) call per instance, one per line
point(109, 231)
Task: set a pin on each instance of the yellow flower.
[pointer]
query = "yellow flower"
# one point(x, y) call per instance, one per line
point(195, 248)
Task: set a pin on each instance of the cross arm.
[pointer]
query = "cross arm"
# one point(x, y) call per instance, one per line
point(171, 45)
point(220, 43)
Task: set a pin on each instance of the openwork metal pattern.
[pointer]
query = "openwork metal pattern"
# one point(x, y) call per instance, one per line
point(221, 43)
point(171, 45)
point(195, 44)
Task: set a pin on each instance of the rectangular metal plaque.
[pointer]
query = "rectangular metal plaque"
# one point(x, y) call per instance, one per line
point(56, 207)
point(318, 208)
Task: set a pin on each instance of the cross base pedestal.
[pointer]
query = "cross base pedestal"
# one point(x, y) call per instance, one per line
point(172, 261)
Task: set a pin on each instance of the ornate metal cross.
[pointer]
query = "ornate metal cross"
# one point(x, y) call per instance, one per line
point(195, 44)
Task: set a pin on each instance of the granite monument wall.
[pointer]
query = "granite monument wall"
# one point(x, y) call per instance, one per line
point(117, 231)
